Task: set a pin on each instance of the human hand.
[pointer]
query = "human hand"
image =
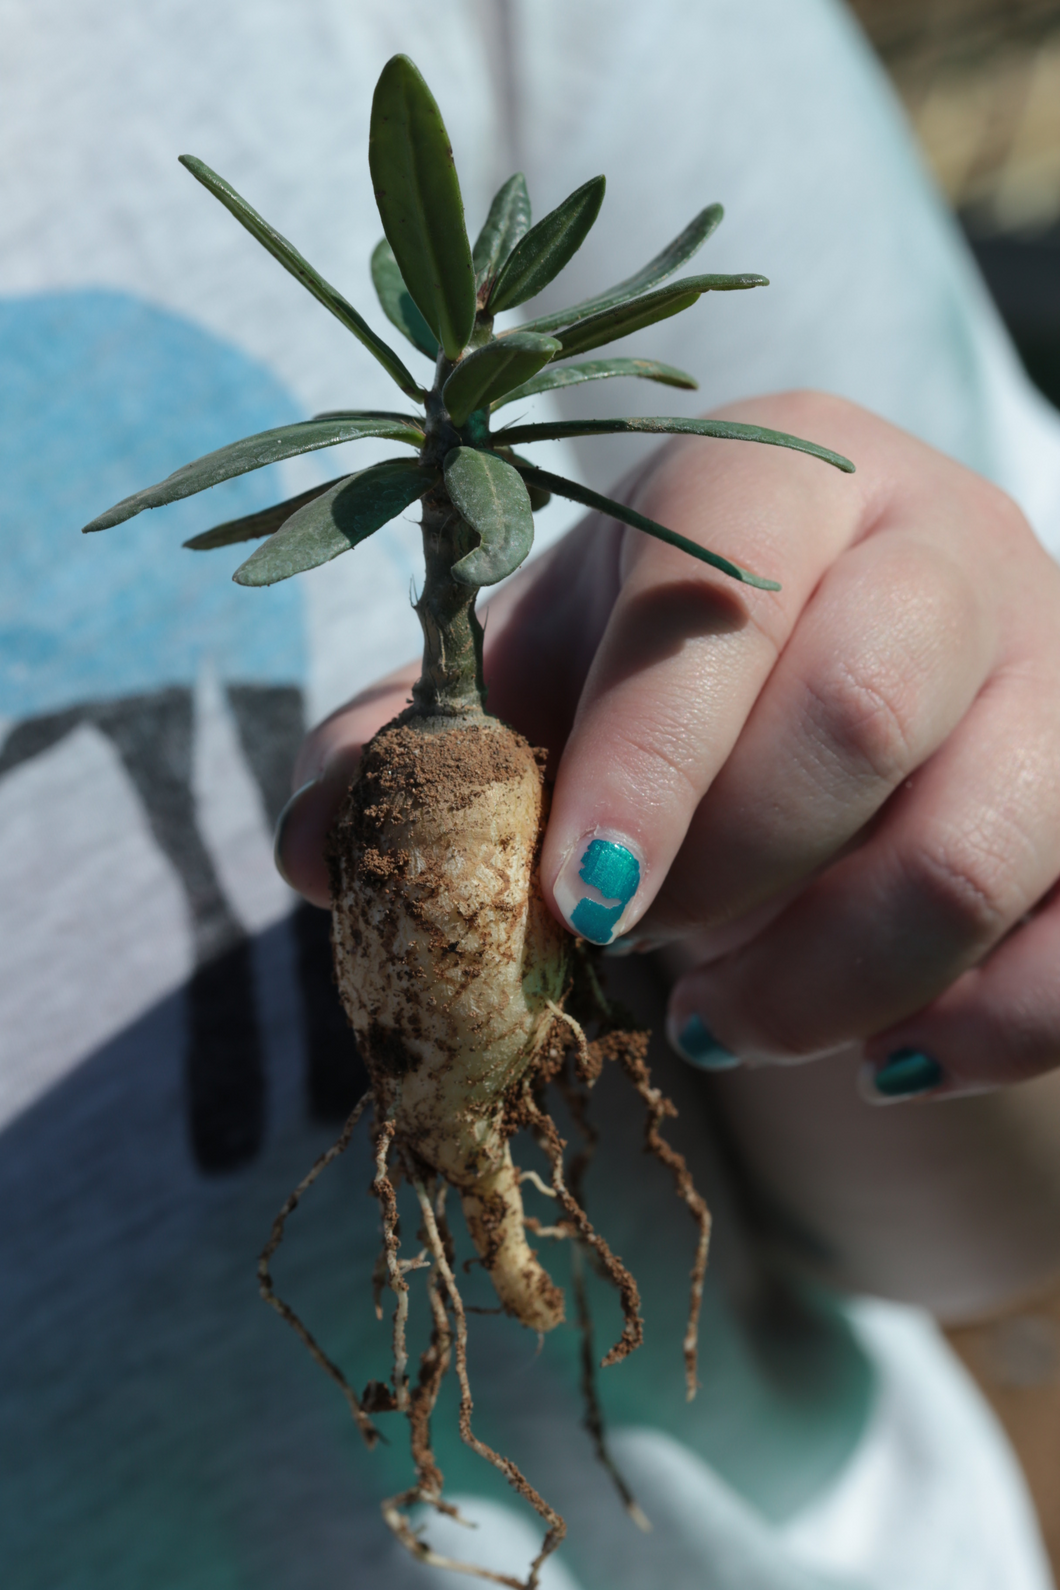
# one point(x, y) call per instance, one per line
point(838, 800)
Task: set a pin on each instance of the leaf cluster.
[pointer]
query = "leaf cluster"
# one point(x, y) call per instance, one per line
point(443, 294)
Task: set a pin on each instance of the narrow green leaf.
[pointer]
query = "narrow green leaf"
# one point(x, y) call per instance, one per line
point(547, 247)
point(492, 497)
point(672, 257)
point(624, 319)
point(598, 370)
point(254, 452)
point(397, 301)
point(415, 420)
point(618, 510)
point(490, 371)
point(301, 269)
point(507, 222)
point(253, 526)
point(419, 201)
point(348, 513)
point(726, 430)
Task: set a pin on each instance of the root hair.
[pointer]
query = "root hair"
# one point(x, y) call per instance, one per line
point(360, 1417)
point(630, 1050)
point(440, 1245)
point(574, 1090)
point(544, 1129)
point(383, 1189)
point(593, 1417)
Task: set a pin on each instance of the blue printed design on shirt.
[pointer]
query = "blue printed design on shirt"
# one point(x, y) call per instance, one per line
point(100, 395)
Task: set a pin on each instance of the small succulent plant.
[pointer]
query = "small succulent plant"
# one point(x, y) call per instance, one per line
point(464, 991)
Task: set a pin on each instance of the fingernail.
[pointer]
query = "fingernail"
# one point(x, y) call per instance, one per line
point(629, 944)
point(595, 886)
point(903, 1075)
point(633, 944)
point(697, 1044)
point(283, 824)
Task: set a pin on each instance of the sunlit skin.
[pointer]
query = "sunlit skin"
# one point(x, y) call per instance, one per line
point(845, 792)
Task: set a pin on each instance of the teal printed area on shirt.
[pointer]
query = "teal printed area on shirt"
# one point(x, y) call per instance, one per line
point(614, 872)
point(101, 393)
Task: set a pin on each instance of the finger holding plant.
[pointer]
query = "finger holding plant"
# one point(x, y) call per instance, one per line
point(467, 997)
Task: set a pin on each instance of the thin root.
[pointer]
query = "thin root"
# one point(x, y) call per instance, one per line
point(594, 1418)
point(535, 1180)
point(559, 1233)
point(439, 1243)
point(383, 1188)
point(630, 1049)
point(363, 1422)
point(588, 1065)
point(633, 1326)
point(576, 1098)
point(379, 1271)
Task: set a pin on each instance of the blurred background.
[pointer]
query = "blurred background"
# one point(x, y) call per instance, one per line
point(980, 80)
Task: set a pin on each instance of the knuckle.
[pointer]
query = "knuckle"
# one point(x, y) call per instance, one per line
point(860, 719)
point(774, 1023)
point(1007, 521)
point(967, 881)
point(660, 763)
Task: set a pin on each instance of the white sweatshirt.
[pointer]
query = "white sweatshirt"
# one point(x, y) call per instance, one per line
point(158, 1426)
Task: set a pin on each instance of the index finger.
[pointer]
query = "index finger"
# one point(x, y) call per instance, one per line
point(686, 652)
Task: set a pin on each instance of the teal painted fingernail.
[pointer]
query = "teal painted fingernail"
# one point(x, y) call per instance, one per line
point(906, 1073)
point(595, 886)
point(697, 1044)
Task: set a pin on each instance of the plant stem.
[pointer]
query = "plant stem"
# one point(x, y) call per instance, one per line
point(451, 683)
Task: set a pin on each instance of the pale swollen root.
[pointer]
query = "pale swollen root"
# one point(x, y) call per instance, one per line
point(493, 1210)
point(447, 959)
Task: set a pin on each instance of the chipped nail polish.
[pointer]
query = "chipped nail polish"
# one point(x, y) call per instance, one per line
point(595, 886)
point(697, 1044)
point(903, 1075)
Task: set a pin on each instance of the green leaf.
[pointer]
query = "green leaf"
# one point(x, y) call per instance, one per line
point(491, 496)
point(419, 201)
point(255, 525)
point(598, 370)
point(623, 319)
point(538, 499)
point(726, 430)
point(547, 247)
point(301, 269)
point(348, 513)
point(492, 370)
point(254, 452)
point(639, 521)
point(507, 222)
point(397, 301)
point(672, 257)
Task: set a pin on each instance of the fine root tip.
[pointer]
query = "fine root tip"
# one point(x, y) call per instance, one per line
point(639, 1517)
